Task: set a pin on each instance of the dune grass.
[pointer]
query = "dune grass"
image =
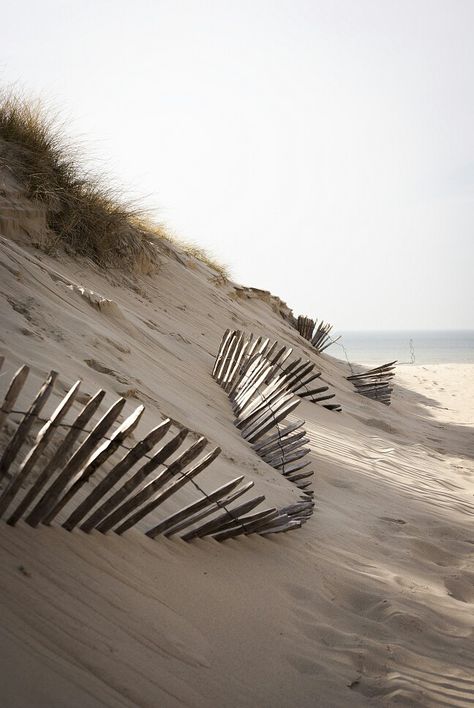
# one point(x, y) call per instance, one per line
point(85, 214)
point(204, 256)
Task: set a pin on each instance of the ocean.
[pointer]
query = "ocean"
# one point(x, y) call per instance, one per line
point(418, 347)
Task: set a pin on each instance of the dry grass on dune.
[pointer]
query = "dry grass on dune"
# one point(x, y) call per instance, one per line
point(205, 257)
point(85, 215)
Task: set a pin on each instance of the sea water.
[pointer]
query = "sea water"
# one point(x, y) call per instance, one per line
point(418, 347)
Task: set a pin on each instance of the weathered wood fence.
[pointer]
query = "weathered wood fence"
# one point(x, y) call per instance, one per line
point(375, 383)
point(243, 360)
point(319, 335)
point(264, 389)
point(49, 471)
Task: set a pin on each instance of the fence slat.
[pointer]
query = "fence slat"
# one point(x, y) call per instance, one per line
point(282, 444)
point(303, 475)
point(234, 373)
point(295, 466)
point(268, 413)
point(96, 459)
point(275, 418)
point(150, 489)
point(226, 378)
point(24, 428)
point(253, 382)
point(115, 475)
point(264, 402)
point(298, 375)
point(248, 524)
point(193, 508)
point(41, 442)
point(231, 355)
point(284, 450)
point(223, 343)
point(221, 504)
point(226, 354)
point(16, 384)
point(169, 491)
point(61, 453)
point(244, 521)
point(230, 514)
point(47, 502)
point(279, 435)
point(280, 528)
point(137, 479)
point(283, 461)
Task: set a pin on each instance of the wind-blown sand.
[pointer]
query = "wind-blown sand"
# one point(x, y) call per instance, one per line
point(370, 603)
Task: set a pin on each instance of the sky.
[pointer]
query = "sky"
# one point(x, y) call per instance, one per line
point(323, 150)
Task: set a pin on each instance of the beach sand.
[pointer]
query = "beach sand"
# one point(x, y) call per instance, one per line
point(370, 603)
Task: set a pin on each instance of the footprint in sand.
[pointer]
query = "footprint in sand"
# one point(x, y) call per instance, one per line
point(299, 592)
point(406, 622)
point(304, 665)
point(341, 483)
point(391, 520)
point(118, 345)
point(433, 554)
point(97, 366)
point(381, 425)
point(461, 586)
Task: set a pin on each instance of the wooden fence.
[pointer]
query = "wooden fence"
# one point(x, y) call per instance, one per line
point(264, 388)
point(375, 383)
point(240, 355)
point(319, 335)
point(49, 470)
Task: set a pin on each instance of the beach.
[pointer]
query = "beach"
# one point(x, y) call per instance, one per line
point(369, 603)
point(450, 385)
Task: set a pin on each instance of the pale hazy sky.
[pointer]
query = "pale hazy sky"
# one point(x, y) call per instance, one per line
point(324, 150)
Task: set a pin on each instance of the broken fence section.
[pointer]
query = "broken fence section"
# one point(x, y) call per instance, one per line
point(375, 383)
point(319, 335)
point(83, 474)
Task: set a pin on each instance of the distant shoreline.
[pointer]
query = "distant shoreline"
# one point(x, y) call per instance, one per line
point(407, 346)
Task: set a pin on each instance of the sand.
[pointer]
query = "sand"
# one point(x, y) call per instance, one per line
point(370, 603)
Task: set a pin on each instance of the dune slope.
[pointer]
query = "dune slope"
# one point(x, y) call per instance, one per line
point(370, 603)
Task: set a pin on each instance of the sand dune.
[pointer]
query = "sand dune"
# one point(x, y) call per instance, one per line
point(370, 603)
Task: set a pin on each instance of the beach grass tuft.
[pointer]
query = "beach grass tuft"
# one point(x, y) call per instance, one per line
point(85, 214)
